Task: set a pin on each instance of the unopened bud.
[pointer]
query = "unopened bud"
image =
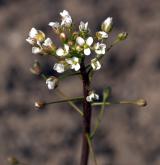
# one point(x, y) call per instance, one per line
point(107, 25)
point(122, 36)
point(13, 161)
point(75, 35)
point(101, 35)
point(39, 104)
point(70, 43)
point(78, 48)
point(141, 102)
point(36, 68)
point(62, 36)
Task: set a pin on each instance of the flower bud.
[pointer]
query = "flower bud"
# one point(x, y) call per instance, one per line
point(62, 36)
point(101, 35)
point(122, 36)
point(78, 48)
point(92, 96)
point(56, 27)
point(75, 35)
point(141, 102)
point(52, 82)
point(36, 68)
point(48, 46)
point(39, 104)
point(70, 43)
point(107, 25)
point(95, 64)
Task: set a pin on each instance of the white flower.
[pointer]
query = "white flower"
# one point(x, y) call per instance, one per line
point(66, 18)
point(55, 25)
point(65, 13)
point(95, 64)
point(31, 41)
point(107, 24)
point(36, 50)
point(92, 97)
point(100, 48)
point(59, 67)
point(35, 36)
point(83, 26)
point(74, 63)
point(33, 32)
point(48, 42)
point(52, 82)
point(48, 46)
point(63, 52)
point(101, 35)
point(85, 44)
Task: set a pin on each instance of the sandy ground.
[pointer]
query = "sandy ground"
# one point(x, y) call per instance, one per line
point(128, 135)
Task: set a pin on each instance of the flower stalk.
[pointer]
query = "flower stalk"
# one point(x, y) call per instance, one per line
point(87, 111)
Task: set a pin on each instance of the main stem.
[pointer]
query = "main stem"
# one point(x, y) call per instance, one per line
point(87, 116)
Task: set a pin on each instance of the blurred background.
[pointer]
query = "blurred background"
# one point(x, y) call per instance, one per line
point(128, 135)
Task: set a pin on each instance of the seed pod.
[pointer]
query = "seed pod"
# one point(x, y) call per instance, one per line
point(39, 104)
point(122, 36)
point(141, 102)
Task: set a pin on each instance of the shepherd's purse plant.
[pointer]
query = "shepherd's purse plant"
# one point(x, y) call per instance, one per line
point(80, 54)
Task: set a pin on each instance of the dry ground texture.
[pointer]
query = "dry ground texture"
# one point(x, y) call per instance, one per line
point(128, 135)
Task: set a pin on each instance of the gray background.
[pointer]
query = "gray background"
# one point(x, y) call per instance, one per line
point(128, 135)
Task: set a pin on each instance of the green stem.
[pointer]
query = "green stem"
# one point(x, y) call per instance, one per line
point(70, 102)
point(106, 94)
point(98, 120)
point(43, 76)
point(65, 100)
point(91, 148)
point(139, 102)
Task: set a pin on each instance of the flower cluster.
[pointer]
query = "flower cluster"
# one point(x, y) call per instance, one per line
point(76, 43)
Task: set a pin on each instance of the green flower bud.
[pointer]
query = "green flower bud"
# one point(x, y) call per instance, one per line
point(122, 36)
point(107, 25)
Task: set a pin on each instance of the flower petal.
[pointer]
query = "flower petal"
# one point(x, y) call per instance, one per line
point(64, 13)
point(87, 51)
point(89, 41)
point(33, 32)
point(77, 67)
point(83, 26)
point(36, 50)
point(59, 67)
point(31, 40)
point(47, 42)
point(66, 48)
point(80, 41)
point(60, 52)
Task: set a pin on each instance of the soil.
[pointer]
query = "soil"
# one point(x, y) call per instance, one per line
point(128, 135)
